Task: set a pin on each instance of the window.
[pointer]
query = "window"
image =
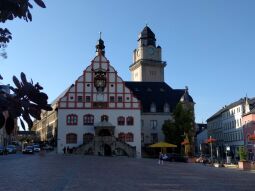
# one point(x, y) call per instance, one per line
point(87, 98)
point(71, 119)
point(153, 124)
point(166, 108)
point(153, 107)
point(121, 120)
point(142, 137)
point(121, 137)
point(71, 138)
point(130, 120)
point(112, 99)
point(142, 123)
point(129, 137)
point(104, 118)
point(119, 98)
point(88, 119)
point(79, 98)
point(154, 137)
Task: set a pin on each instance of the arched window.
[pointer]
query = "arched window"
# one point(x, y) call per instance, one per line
point(121, 137)
point(129, 137)
point(71, 119)
point(166, 108)
point(130, 120)
point(104, 118)
point(121, 120)
point(88, 119)
point(153, 107)
point(87, 137)
point(71, 138)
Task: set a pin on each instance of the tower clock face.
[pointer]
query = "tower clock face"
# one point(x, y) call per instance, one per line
point(151, 51)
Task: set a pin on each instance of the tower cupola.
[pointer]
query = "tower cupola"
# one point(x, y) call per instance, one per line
point(100, 46)
point(147, 37)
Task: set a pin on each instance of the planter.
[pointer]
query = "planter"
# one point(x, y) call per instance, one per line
point(244, 165)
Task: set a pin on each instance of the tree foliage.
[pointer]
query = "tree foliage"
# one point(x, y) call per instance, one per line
point(181, 127)
point(25, 101)
point(11, 9)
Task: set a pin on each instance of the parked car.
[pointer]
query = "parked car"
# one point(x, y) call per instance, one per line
point(36, 148)
point(28, 150)
point(173, 157)
point(11, 149)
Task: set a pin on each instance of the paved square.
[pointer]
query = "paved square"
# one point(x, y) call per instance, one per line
point(72, 172)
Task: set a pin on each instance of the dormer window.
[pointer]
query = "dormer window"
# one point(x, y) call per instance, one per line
point(153, 107)
point(166, 108)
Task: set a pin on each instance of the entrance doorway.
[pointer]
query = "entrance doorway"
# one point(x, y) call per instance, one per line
point(107, 150)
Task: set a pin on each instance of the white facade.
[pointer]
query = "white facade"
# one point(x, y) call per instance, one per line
point(98, 92)
point(226, 126)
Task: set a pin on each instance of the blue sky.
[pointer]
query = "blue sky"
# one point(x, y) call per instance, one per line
point(208, 45)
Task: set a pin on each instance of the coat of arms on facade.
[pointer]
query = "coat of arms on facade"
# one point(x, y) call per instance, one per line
point(100, 81)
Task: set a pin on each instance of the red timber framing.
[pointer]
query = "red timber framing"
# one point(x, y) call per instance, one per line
point(84, 86)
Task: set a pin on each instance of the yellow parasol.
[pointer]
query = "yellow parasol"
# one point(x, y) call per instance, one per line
point(163, 145)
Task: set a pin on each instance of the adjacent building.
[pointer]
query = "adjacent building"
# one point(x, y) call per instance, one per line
point(227, 126)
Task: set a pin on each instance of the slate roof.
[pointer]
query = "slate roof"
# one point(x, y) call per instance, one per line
point(147, 33)
point(227, 107)
point(156, 92)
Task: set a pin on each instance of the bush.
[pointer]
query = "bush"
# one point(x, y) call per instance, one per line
point(242, 154)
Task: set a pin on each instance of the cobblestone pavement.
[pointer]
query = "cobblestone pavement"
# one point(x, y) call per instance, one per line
point(72, 172)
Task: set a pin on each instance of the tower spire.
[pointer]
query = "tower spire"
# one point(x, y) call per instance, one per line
point(100, 46)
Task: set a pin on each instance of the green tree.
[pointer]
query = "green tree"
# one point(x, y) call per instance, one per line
point(180, 127)
point(242, 153)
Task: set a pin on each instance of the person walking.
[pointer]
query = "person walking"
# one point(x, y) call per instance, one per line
point(160, 161)
point(64, 150)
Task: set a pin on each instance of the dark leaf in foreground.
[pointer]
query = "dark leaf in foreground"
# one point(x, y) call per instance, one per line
point(22, 124)
point(23, 78)
point(9, 125)
point(2, 120)
point(40, 3)
point(16, 82)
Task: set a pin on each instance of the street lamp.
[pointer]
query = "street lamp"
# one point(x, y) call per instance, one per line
point(211, 140)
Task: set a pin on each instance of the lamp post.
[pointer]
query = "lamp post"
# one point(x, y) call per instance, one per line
point(211, 149)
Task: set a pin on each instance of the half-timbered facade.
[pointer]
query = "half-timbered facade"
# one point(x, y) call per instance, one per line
point(99, 107)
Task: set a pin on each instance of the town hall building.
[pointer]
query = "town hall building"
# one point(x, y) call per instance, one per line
point(102, 114)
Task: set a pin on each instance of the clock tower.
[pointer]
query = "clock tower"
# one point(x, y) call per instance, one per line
point(147, 64)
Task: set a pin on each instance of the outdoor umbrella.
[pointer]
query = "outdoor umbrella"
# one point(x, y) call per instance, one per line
point(252, 137)
point(163, 145)
point(210, 140)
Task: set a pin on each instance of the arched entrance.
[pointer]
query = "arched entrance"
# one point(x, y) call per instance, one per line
point(107, 150)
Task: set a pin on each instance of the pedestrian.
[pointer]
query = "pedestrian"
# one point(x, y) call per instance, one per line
point(64, 150)
point(160, 161)
point(68, 150)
